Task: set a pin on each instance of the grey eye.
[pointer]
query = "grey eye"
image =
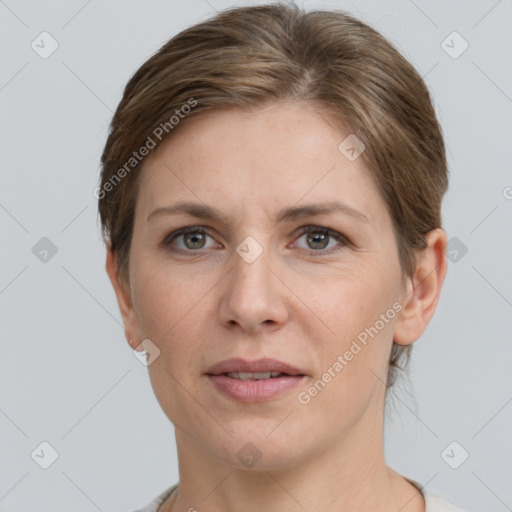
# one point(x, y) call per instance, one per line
point(193, 240)
point(317, 240)
point(189, 239)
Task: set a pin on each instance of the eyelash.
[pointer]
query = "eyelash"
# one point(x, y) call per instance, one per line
point(344, 241)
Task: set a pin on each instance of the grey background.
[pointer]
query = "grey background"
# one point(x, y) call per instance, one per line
point(67, 375)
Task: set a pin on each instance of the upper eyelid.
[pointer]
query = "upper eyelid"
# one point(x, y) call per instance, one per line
point(185, 230)
point(207, 230)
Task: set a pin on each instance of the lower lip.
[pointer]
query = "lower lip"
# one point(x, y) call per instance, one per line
point(254, 390)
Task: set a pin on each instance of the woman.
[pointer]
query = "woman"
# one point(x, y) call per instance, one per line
point(270, 199)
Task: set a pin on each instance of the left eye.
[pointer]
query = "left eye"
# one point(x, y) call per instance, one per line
point(320, 239)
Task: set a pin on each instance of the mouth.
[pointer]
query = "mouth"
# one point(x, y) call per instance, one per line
point(256, 376)
point(261, 368)
point(253, 381)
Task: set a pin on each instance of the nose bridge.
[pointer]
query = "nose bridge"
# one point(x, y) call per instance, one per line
point(250, 297)
point(250, 276)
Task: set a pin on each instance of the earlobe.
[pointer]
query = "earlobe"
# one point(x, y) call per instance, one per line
point(423, 289)
point(123, 296)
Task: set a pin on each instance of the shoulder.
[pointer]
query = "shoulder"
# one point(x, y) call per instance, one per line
point(155, 503)
point(436, 503)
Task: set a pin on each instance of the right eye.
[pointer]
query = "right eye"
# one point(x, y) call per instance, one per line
point(188, 240)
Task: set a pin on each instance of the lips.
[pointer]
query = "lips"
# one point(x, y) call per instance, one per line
point(254, 376)
point(254, 381)
point(238, 365)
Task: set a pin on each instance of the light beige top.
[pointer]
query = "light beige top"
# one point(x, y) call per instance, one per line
point(433, 502)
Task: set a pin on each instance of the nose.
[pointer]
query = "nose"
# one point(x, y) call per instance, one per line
point(253, 296)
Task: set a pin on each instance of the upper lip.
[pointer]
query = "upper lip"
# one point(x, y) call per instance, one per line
point(235, 365)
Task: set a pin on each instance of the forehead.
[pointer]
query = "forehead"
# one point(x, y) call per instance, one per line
point(270, 156)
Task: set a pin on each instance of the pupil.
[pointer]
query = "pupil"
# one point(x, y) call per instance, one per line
point(318, 238)
point(191, 237)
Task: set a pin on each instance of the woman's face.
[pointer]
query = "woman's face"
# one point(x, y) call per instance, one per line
point(257, 283)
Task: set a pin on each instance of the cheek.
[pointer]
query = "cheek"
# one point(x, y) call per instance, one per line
point(354, 360)
point(167, 306)
point(358, 314)
point(175, 310)
point(348, 300)
point(165, 297)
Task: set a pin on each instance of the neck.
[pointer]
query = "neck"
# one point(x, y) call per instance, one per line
point(350, 476)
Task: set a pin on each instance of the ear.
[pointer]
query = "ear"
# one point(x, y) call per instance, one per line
point(124, 300)
point(422, 290)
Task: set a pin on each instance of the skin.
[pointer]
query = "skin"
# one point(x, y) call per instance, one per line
point(301, 308)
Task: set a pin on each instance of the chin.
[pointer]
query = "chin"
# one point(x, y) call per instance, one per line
point(261, 449)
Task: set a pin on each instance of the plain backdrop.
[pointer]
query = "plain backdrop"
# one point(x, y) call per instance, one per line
point(67, 376)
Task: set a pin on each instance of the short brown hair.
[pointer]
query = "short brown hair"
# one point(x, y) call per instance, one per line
point(249, 56)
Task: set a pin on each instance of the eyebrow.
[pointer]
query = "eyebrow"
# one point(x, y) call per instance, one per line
point(206, 212)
